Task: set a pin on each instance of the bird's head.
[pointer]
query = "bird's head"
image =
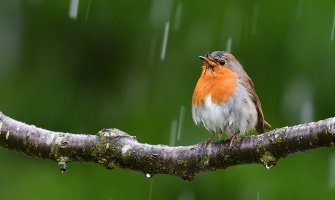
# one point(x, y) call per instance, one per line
point(218, 60)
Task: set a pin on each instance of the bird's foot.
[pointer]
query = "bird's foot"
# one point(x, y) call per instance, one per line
point(208, 141)
point(233, 138)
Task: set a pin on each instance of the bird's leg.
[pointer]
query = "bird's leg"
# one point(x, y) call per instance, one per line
point(233, 138)
point(208, 141)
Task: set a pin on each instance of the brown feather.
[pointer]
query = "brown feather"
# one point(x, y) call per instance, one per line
point(249, 85)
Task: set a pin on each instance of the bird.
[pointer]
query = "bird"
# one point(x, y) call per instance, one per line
point(224, 100)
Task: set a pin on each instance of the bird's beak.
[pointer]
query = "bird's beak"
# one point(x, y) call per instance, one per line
point(207, 61)
point(203, 58)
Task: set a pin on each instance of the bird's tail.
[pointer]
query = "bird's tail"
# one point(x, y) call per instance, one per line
point(267, 126)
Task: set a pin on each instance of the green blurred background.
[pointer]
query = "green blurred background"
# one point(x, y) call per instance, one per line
point(104, 67)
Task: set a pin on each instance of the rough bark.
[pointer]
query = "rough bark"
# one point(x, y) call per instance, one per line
point(114, 148)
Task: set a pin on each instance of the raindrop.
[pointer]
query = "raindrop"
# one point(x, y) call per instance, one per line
point(165, 40)
point(173, 132)
point(88, 10)
point(178, 16)
point(150, 188)
point(181, 121)
point(186, 195)
point(152, 49)
point(73, 12)
point(307, 110)
point(299, 13)
point(268, 166)
point(333, 28)
point(160, 12)
point(331, 176)
point(298, 101)
point(11, 25)
point(148, 175)
point(254, 20)
point(229, 43)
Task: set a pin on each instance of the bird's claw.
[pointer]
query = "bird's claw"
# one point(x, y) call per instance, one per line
point(234, 138)
point(207, 142)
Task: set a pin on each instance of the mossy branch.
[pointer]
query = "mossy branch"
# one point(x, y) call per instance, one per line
point(114, 148)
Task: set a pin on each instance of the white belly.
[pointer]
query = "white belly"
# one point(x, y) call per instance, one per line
point(237, 115)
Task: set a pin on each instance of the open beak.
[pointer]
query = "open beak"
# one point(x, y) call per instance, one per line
point(208, 61)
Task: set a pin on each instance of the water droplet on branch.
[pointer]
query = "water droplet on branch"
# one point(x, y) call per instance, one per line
point(268, 166)
point(148, 175)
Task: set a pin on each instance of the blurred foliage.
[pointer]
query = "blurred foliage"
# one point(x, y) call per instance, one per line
point(103, 69)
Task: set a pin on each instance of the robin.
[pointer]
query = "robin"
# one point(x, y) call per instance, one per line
point(224, 99)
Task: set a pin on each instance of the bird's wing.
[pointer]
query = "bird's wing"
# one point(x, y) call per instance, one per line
point(249, 85)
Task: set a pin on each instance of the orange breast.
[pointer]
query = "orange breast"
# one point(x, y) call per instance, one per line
point(220, 84)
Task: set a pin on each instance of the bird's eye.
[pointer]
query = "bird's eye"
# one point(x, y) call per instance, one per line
point(222, 62)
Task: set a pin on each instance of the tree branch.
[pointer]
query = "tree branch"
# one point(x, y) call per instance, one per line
point(114, 148)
